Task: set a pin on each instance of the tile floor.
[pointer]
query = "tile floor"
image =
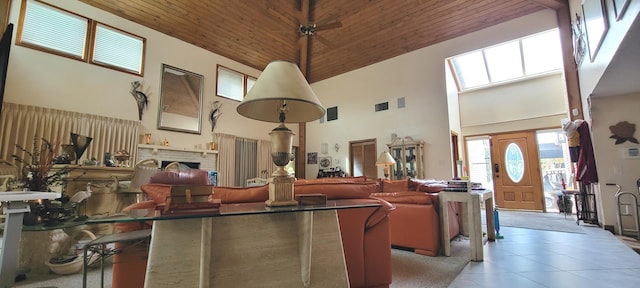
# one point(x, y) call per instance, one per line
point(540, 258)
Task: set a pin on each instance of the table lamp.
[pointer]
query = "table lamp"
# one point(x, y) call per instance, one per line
point(281, 95)
point(385, 159)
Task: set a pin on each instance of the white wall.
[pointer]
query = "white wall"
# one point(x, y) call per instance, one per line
point(534, 103)
point(42, 79)
point(418, 76)
point(613, 167)
point(602, 112)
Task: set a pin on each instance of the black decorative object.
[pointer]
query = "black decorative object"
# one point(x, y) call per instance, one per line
point(80, 144)
point(215, 114)
point(141, 99)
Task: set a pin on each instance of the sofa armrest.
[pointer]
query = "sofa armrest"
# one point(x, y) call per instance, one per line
point(133, 226)
point(149, 204)
point(381, 213)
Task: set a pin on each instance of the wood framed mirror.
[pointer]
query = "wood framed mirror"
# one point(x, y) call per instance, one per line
point(180, 100)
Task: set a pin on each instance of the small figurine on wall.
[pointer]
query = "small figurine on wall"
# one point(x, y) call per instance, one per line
point(215, 113)
point(141, 98)
point(623, 132)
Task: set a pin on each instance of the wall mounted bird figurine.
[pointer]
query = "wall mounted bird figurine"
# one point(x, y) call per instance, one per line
point(141, 99)
point(216, 111)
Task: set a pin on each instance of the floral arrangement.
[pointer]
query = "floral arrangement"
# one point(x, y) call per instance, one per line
point(35, 170)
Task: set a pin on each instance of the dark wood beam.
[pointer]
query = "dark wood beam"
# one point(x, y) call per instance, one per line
point(572, 82)
point(303, 64)
point(552, 4)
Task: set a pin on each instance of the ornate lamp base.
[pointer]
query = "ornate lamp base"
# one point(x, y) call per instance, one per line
point(281, 191)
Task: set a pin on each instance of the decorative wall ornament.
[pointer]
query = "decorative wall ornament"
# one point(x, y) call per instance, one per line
point(623, 132)
point(216, 111)
point(312, 158)
point(141, 98)
point(579, 44)
point(325, 162)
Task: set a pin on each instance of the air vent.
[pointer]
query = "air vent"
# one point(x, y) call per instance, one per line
point(382, 106)
point(332, 113)
point(401, 102)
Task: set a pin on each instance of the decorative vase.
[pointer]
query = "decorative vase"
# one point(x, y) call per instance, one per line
point(80, 144)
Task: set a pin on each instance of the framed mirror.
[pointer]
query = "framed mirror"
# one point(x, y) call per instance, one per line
point(180, 100)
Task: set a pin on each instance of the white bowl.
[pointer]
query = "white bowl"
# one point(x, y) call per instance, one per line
point(72, 267)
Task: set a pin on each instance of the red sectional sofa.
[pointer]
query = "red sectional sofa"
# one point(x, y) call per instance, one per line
point(364, 231)
point(415, 223)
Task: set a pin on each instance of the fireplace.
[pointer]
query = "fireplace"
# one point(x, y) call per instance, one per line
point(194, 158)
point(192, 165)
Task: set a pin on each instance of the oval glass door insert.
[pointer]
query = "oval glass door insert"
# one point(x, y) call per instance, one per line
point(514, 161)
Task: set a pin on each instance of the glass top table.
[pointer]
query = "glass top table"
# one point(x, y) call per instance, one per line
point(225, 210)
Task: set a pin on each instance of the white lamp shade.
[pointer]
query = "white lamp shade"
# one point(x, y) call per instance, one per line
point(281, 82)
point(385, 159)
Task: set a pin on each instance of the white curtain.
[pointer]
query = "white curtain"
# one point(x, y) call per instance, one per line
point(265, 164)
point(246, 161)
point(226, 159)
point(19, 124)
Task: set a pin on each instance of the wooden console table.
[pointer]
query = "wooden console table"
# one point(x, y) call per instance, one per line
point(248, 245)
point(471, 202)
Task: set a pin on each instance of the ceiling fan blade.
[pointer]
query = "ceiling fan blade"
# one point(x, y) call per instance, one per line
point(328, 26)
point(324, 41)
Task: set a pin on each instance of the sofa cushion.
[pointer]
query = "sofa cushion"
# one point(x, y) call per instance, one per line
point(395, 186)
point(241, 195)
point(182, 177)
point(156, 192)
point(336, 191)
point(408, 197)
point(431, 187)
point(356, 179)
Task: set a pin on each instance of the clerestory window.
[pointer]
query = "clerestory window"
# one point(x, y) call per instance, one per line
point(517, 59)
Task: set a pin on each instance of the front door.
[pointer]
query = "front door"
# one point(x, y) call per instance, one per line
point(516, 171)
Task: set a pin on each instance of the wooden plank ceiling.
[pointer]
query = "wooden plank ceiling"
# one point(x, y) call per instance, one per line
point(255, 32)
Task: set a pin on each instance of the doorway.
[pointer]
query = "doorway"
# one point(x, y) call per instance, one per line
point(516, 169)
point(533, 185)
point(362, 156)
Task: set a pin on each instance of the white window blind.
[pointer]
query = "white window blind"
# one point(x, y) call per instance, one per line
point(119, 49)
point(54, 29)
point(250, 82)
point(230, 84)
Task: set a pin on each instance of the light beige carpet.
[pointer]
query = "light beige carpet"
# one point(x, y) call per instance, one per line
point(412, 270)
point(540, 221)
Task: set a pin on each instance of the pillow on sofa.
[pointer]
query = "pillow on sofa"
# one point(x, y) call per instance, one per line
point(182, 177)
point(156, 192)
point(355, 179)
point(431, 187)
point(241, 195)
point(336, 191)
point(395, 186)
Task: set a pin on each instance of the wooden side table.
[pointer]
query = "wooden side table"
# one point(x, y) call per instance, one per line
point(470, 200)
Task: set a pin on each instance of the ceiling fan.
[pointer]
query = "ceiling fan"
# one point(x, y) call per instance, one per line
point(307, 30)
point(311, 30)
